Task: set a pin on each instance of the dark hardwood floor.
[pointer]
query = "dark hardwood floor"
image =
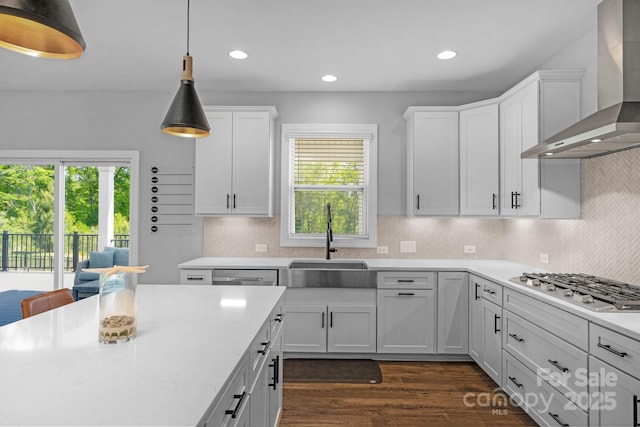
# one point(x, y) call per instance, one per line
point(411, 394)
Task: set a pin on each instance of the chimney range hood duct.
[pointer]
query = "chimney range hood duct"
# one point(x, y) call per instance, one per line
point(616, 126)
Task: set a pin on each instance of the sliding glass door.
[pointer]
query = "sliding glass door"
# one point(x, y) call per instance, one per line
point(58, 208)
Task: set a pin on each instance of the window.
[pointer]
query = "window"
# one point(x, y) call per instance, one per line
point(329, 164)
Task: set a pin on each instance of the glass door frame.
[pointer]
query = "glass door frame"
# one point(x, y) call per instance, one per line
point(62, 158)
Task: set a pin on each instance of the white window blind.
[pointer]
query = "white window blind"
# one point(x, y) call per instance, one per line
point(329, 171)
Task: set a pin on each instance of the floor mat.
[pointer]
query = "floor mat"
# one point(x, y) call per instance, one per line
point(364, 371)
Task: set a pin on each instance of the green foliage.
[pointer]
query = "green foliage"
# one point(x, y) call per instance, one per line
point(27, 199)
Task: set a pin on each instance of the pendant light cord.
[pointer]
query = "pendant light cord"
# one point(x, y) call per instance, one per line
point(188, 14)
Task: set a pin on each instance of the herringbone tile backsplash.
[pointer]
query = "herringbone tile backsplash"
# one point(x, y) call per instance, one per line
point(605, 242)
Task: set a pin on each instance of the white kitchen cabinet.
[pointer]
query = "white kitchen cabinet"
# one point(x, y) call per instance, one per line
point(432, 161)
point(540, 106)
point(476, 331)
point(406, 321)
point(492, 340)
point(453, 313)
point(479, 154)
point(333, 328)
point(233, 408)
point(615, 396)
point(234, 165)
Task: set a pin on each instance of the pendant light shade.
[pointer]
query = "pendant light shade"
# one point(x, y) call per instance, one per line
point(46, 28)
point(186, 116)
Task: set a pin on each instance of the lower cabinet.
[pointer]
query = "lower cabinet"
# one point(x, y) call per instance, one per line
point(476, 330)
point(491, 360)
point(406, 321)
point(330, 328)
point(233, 408)
point(615, 396)
point(453, 313)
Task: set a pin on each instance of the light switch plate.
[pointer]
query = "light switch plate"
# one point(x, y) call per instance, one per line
point(408, 246)
point(261, 247)
point(469, 249)
point(383, 249)
point(544, 258)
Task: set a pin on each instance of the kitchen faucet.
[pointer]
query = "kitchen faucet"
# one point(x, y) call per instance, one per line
point(329, 233)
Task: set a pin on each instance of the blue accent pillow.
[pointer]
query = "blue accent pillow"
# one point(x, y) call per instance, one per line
point(120, 255)
point(100, 259)
point(87, 276)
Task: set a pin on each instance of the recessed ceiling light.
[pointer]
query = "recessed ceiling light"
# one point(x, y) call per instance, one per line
point(548, 154)
point(238, 54)
point(596, 140)
point(446, 54)
point(329, 78)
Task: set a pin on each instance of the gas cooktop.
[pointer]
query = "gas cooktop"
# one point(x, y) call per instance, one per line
point(591, 292)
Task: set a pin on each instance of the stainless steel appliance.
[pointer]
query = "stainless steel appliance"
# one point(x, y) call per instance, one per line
point(245, 277)
point(591, 292)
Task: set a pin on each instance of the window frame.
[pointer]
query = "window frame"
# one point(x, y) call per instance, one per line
point(367, 132)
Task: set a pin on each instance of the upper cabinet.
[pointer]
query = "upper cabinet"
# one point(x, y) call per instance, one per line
point(432, 161)
point(540, 106)
point(479, 171)
point(234, 165)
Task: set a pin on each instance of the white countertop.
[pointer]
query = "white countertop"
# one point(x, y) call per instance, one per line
point(53, 371)
point(496, 270)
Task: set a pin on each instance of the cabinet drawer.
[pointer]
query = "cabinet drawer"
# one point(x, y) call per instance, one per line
point(541, 402)
point(258, 351)
point(195, 277)
point(554, 360)
point(567, 326)
point(486, 289)
point(615, 349)
point(233, 400)
point(406, 280)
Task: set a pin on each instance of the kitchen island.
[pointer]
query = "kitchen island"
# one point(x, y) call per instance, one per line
point(191, 341)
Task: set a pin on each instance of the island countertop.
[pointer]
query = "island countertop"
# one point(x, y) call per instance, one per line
point(54, 371)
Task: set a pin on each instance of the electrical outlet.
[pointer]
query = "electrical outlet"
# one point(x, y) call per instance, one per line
point(469, 249)
point(261, 247)
point(383, 249)
point(544, 258)
point(408, 247)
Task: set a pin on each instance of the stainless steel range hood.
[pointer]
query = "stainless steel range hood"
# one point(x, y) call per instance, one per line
point(616, 126)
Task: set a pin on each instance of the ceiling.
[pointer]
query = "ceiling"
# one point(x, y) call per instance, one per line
point(371, 45)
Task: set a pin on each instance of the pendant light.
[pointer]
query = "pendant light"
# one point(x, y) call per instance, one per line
point(186, 116)
point(46, 28)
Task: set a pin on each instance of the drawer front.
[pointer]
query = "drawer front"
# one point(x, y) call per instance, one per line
point(406, 280)
point(544, 404)
point(258, 351)
point(195, 277)
point(486, 289)
point(233, 400)
point(244, 276)
point(565, 325)
point(277, 319)
point(615, 349)
point(554, 360)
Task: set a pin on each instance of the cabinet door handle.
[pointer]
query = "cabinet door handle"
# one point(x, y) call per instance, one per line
point(557, 365)
point(264, 349)
point(234, 200)
point(276, 371)
point(418, 202)
point(495, 201)
point(489, 291)
point(558, 420)
point(495, 323)
point(323, 320)
point(513, 380)
point(611, 350)
point(228, 201)
point(331, 319)
point(477, 286)
point(512, 196)
point(279, 317)
point(517, 338)
point(517, 204)
point(407, 294)
point(406, 280)
point(234, 412)
point(635, 410)
point(192, 278)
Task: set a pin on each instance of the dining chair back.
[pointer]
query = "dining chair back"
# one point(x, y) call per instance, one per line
point(46, 301)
